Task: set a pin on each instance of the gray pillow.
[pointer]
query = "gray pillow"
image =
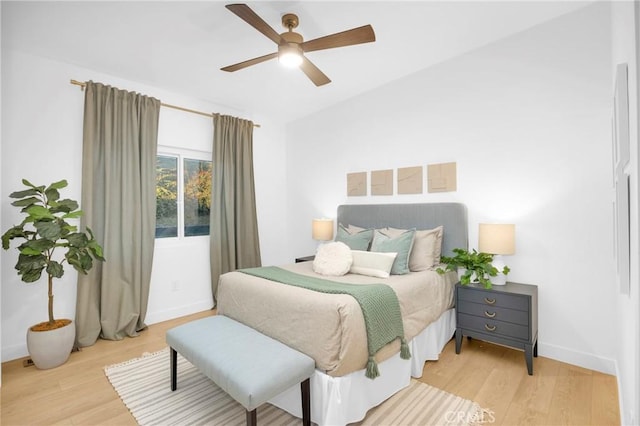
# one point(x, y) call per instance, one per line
point(356, 241)
point(401, 244)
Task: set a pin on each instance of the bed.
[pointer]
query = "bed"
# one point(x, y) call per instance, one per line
point(330, 327)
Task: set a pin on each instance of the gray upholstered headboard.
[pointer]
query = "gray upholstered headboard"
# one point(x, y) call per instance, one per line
point(453, 216)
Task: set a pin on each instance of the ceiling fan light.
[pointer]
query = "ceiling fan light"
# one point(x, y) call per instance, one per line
point(290, 60)
point(289, 56)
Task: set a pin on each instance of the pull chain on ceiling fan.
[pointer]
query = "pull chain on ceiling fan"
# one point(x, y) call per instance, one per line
point(291, 45)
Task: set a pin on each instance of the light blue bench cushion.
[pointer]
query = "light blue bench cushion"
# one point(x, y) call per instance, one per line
point(251, 367)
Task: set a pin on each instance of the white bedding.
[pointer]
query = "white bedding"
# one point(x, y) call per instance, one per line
point(330, 327)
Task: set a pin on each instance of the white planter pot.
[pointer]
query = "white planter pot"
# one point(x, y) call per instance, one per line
point(461, 271)
point(499, 279)
point(49, 349)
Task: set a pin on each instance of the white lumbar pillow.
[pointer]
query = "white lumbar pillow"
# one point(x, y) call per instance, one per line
point(374, 264)
point(333, 259)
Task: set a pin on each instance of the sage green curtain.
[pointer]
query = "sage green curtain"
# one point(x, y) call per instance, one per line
point(119, 203)
point(234, 223)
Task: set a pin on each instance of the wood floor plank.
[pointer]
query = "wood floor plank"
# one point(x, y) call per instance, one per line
point(502, 381)
point(535, 392)
point(78, 392)
point(572, 396)
point(604, 402)
point(113, 412)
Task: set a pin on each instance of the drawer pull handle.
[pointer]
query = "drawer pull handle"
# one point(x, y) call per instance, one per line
point(490, 327)
point(490, 314)
point(489, 301)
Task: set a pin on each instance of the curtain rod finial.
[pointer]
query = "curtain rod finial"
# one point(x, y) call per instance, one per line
point(79, 83)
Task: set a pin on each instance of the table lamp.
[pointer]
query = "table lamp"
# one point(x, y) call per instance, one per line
point(499, 240)
point(322, 229)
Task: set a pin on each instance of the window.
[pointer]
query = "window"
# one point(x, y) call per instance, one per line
point(182, 205)
point(166, 196)
point(197, 197)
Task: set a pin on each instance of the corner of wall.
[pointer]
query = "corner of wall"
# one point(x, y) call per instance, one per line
point(625, 42)
point(1, 194)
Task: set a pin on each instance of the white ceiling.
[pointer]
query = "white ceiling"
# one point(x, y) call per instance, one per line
point(181, 46)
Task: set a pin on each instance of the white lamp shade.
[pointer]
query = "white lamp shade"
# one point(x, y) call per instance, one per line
point(497, 238)
point(322, 229)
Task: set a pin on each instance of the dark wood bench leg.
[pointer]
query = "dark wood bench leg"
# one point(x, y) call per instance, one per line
point(251, 417)
point(174, 369)
point(305, 390)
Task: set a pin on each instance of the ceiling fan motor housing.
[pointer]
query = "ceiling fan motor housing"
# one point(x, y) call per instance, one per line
point(291, 39)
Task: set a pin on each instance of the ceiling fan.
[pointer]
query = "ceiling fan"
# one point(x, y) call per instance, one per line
point(291, 46)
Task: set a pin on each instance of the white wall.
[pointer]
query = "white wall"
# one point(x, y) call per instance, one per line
point(0, 210)
point(625, 30)
point(42, 141)
point(528, 121)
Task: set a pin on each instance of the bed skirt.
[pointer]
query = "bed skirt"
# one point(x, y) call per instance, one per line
point(346, 399)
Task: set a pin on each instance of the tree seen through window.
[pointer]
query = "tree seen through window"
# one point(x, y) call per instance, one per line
point(196, 196)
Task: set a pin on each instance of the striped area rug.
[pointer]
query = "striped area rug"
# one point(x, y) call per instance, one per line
point(143, 385)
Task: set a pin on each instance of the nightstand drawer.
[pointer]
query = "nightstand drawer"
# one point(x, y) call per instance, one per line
point(495, 298)
point(492, 312)
point(488, 326)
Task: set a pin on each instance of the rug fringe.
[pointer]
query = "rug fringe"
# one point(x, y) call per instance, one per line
point(131, 361)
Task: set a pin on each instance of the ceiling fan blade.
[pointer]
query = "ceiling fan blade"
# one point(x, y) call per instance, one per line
point(245, 64)
point(245, 13)
point(358, 35)
point(313, 72)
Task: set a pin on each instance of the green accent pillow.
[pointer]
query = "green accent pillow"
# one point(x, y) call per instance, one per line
point(356, 241)
point(401, 244)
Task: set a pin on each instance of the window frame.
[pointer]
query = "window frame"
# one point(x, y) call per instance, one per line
point(181, 154)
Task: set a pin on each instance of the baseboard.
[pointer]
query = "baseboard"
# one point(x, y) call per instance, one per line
point(581, 359)
point(180, 311)
point(9, 353)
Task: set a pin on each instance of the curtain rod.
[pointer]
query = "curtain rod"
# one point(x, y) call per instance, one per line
point(193, 111)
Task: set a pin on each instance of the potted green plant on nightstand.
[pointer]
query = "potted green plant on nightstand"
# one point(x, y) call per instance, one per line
point(47, 233)
point(471, 266)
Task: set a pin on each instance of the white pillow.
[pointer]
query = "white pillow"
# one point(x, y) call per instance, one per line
point(352, 229)
point(374, 264)
point(333, 259)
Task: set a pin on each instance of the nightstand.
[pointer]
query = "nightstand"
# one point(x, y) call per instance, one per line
point(305, 259)
point(505, 314)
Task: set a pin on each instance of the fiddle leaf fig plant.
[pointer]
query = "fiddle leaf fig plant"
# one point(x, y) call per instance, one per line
point(476, 265)
point(49, 240)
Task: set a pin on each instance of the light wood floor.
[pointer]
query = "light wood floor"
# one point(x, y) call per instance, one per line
point(78, 393)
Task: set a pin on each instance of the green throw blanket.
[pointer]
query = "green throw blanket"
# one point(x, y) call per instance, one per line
point(379, 304)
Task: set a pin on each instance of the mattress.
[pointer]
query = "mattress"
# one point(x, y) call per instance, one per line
point(330, 327)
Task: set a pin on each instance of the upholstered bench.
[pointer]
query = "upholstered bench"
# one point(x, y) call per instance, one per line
point(249, 366)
